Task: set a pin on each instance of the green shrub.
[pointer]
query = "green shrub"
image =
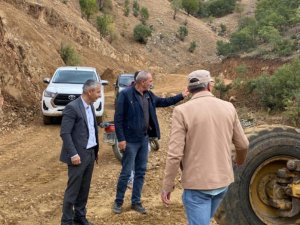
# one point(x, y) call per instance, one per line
point(190, 6)
point(144, 15)
point(141, 33)
point(126, 8)
point(241, 69)
point(224, 48)
point(219, 8)
point(216, 8)
point(88, 7)
point(243, 40)
point(136, 8)
point(275, 91)
point(69, 55)
point(272, 19)
point(193, 46)
point(176, 6)
point(182, 32)
point(223, 29)
point(292, 109)
point(283, 47)
point(105, 25)
point(221, 88)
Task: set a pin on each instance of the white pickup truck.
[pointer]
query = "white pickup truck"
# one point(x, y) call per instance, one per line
point(64, 87)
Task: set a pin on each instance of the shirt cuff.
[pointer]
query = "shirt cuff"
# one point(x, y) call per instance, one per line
point(74, 156)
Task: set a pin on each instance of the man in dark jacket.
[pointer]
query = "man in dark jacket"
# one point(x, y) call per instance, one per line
point(135, 122)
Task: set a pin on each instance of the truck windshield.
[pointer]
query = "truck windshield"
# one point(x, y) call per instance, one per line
point(74, 76)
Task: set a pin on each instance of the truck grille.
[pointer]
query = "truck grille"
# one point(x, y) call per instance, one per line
point(64, 99)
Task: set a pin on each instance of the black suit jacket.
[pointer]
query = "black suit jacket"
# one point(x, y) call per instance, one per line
point(75, 133)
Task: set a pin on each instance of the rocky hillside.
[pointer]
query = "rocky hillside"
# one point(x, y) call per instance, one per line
point(32, 32)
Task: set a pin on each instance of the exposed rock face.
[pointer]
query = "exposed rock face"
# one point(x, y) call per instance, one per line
point(31, 34)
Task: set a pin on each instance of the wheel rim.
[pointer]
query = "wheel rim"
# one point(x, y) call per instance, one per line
point(260, 181)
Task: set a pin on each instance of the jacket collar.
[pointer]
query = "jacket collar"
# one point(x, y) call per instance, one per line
point(202, 94)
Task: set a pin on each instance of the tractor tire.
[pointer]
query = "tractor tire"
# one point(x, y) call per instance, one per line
point(244, 204)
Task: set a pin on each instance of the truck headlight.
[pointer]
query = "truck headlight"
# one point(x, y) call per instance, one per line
point(49, 94)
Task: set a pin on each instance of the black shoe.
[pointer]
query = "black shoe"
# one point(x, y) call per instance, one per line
point(117, 208)
point(81, 221)
point(139, 208)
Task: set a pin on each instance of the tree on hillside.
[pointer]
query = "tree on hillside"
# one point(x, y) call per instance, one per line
point(141, 33)
point(88, 7)
point(105, 25)
point(144, 13)
point(136, 8)
point(100, 3)
point(190, 6)
point(176, 6)
point(69, 55)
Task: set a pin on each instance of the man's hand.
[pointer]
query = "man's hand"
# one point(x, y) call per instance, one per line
point(75, 160)
point(165, 197)
point(122, 145)
point(185, 93)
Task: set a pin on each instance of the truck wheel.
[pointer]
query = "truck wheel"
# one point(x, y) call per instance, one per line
point(116, 150)
point(248, 199)
point(47, 120)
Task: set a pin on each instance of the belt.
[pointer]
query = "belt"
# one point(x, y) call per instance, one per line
point(91, 148)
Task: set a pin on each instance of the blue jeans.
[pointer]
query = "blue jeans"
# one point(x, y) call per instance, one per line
point(200, 207)
point(135, 156)
point(131, 178)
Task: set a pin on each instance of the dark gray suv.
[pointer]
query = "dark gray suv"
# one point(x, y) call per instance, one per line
point(123, 81)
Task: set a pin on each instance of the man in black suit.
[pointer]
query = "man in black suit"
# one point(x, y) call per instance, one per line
point(79, 150)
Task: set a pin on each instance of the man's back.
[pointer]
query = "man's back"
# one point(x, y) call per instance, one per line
point(206, 126)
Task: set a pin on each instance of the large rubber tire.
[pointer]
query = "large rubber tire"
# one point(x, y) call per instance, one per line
point(47, 120)
point(116, 150)
point(270, 148)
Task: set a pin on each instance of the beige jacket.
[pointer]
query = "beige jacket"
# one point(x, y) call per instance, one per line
point(203, 130)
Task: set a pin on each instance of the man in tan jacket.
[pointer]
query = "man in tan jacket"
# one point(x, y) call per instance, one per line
point(202, 132)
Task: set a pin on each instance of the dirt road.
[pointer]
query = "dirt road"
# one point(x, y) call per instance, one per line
point(32, 180)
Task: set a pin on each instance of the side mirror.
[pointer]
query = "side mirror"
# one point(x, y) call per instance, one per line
point(104, 82)
point(46, 80)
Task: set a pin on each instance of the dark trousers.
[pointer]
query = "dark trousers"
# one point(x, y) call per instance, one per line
point(78, 187)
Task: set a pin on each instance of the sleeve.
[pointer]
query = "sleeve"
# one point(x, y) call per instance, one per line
point(175, 151)
point(67, 125)
point(239, 138)
point(165, 102)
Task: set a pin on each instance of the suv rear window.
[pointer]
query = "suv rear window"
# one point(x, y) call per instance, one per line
point(125, 81)
point(73, 76)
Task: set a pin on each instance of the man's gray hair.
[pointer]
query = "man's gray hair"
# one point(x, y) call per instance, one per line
point(142, 76)
point(195, 86)
point(90, 84)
